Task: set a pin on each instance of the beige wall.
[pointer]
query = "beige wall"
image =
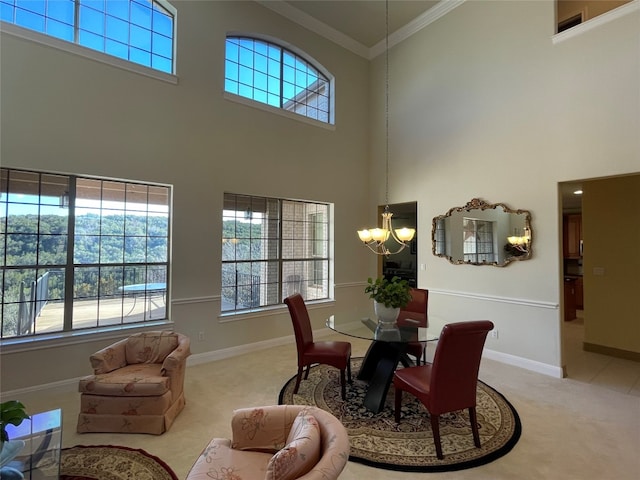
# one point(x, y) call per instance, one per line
point(485, 105)
point(482, 105)
point(611, 233)
point(66, 113)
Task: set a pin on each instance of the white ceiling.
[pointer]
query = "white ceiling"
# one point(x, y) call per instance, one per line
point(360, 25)
point(363, 20)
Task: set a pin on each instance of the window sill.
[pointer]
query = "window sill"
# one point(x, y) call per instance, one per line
point(271, 311)
point(62, 339)
point(278, 111)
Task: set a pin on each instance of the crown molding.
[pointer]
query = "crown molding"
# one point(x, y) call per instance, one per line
point(310, 23)
point(414, 26)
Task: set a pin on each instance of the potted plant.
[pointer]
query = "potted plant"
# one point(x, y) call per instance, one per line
point(389, 297)
point(11, 412)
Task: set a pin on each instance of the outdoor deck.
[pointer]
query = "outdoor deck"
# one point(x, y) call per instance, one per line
point(106, 312)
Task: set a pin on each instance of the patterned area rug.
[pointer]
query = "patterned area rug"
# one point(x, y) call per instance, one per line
point(378, 441)
point(103, 462)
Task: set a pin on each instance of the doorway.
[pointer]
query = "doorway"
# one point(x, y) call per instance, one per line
point(599, 282)
point(405, 263)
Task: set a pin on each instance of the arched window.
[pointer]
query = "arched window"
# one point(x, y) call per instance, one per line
point(140, 31)
point(272, 74)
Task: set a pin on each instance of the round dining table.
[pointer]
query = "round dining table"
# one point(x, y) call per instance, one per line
point(388, 348)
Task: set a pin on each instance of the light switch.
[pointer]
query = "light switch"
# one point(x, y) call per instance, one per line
point(598, 271)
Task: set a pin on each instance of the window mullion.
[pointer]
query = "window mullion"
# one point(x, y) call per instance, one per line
point(67, 323)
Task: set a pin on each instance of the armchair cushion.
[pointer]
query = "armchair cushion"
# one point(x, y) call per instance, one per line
point(141, 380)
point(300, 454)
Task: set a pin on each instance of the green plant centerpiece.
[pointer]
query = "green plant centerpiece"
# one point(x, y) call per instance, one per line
point(11, 412)
point(389, 297)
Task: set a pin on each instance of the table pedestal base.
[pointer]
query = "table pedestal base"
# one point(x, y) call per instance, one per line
point(377, 369)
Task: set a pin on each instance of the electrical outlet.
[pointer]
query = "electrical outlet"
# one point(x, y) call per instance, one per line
point(201, 336)
point(494, 333)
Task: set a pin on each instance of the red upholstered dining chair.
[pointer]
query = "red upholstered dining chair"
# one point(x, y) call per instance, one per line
point(336, 354)
point(448, 384)
point(415, 315)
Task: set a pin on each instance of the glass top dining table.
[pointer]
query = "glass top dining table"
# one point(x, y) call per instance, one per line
point(388, 347)
point(404, 331)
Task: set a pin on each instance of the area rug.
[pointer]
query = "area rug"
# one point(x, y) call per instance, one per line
point(378, 441)
point(108, 462)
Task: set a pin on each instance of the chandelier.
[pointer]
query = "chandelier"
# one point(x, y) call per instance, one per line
point(376, 238)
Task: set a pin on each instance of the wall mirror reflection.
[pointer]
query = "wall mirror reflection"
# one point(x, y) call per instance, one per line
point(481, 233)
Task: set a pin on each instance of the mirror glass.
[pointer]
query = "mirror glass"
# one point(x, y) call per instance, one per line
point(481, 233)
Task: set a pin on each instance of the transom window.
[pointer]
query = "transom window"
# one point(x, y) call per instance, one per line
point(81, 253)
point(273, 75)
point(273, 248)
point(140, 31)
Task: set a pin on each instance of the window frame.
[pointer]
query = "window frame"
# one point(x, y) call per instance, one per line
point(297, 53)
point(155, 236)
point(76, 48)
point(481, 229)
point(279, 238)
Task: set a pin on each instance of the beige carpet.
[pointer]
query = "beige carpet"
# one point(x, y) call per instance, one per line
point(574, 430)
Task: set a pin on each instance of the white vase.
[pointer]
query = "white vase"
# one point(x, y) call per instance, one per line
point(386, 315)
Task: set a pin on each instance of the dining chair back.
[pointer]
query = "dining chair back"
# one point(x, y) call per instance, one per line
point(416, 310)
point(334, 353)
point(450, 383)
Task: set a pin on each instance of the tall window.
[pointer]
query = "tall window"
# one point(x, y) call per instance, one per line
point(140, 31)
point(273, 248)
point(81, 253)
point(478, 240)
point(270, 74)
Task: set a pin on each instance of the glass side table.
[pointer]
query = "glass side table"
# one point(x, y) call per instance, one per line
point(39, 458)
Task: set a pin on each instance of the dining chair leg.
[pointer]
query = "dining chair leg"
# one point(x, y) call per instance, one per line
point(397, 405)
point(349, 370)
point(474, 426)
point(343, 385)
point(298, 378)
point(435, 428)
point(306, 375)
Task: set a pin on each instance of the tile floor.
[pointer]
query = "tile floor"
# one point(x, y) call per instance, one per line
point(602, 370)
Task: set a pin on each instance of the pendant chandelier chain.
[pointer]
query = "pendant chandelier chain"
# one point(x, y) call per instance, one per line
point(386, 105)
point(375, 238)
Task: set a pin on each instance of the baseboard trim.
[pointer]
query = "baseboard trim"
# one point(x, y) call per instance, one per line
point(611, 351)
point(534, 366)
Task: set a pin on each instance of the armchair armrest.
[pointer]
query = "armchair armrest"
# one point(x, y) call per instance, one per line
point(109, 358)
point(177, 358)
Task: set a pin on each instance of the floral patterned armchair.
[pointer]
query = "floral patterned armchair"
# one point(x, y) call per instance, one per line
point(279, 442)
point(137, 385)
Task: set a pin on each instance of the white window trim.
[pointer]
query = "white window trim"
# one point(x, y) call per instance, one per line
point(330, 125)
point(32, 35)
point(278, 111)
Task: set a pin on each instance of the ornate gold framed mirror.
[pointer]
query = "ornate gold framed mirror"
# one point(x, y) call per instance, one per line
point(481, 233)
